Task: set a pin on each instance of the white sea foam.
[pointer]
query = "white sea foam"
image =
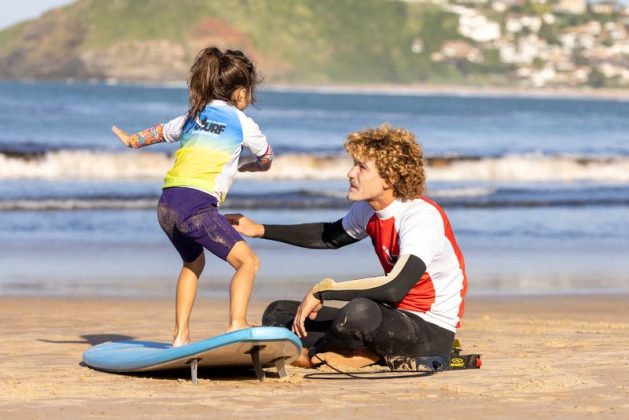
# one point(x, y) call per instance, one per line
point(85, 165)
point(461, 192)
point(77, 204)
point(532, 168)
point(96, 165)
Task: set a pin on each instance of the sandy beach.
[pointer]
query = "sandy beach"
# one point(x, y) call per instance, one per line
point(543, 357)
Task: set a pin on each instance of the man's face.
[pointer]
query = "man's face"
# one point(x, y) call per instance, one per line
point(365, 182)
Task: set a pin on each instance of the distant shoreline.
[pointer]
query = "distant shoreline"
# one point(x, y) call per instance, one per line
point(620, 94)
point(456, 90)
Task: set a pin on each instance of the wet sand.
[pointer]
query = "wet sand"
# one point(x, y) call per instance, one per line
point(543, 357)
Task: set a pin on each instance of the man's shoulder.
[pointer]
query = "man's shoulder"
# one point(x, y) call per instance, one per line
point(420, 207)
point(420, 204)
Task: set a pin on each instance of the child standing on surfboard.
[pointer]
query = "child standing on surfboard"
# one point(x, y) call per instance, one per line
point(211, 135)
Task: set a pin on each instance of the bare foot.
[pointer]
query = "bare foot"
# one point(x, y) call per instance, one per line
point(303, 360)
point(237, 325)
point(354, 360)
point(181, 341)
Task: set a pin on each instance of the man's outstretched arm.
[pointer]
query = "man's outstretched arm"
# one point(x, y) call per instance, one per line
point(307, 235)
point(310, 235)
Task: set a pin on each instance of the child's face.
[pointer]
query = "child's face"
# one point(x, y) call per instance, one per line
point(241, 98)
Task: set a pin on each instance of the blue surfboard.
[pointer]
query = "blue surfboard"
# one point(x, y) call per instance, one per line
point(259, 347)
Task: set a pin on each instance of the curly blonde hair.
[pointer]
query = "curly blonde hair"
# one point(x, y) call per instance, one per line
point(397, 155)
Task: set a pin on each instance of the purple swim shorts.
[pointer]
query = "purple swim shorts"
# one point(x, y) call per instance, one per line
point(191, 220)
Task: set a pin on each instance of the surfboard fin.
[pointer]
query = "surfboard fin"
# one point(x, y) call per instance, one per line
point(194, 367)
point(257, 366)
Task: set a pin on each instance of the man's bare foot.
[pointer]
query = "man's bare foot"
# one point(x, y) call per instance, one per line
point(303, 360)
point(354, 360)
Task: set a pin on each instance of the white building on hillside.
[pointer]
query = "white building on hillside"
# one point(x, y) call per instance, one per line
point(478, 28)
point(576, 7)
point(516, 24)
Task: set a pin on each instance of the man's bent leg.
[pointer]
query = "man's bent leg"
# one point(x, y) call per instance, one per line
point(385, 331)
point(281, 313)
point(345, 343)
point(404, 334)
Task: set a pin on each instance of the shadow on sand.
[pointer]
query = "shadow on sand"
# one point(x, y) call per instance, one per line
point(223, 374)
point(92, 339)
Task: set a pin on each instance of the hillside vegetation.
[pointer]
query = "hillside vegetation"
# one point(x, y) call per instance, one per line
point(307, 41)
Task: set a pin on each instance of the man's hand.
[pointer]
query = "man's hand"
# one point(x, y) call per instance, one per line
point(124, 137)
point(245, 226)
point(309, 308)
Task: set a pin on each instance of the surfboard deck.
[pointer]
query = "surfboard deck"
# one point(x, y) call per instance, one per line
point(259, 347)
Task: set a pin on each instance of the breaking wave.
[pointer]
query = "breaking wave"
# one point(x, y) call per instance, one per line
point(68, 164)
point(462, 197)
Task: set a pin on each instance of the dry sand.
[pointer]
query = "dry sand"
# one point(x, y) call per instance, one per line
point(543, 357)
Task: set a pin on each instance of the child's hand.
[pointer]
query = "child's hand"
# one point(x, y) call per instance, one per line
point(124, 137)
point(249, 167)
point(261, 164)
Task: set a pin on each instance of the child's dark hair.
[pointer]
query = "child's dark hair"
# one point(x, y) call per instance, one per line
point(216, 75)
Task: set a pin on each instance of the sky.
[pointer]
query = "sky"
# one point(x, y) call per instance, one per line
point(14, 11)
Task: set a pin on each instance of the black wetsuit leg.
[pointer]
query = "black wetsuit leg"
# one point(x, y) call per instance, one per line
point(281, 313)
point(365, 323)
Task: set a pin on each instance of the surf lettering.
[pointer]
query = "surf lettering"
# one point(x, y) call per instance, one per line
point(211, 127)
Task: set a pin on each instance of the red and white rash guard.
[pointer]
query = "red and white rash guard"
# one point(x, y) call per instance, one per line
point(420, 228)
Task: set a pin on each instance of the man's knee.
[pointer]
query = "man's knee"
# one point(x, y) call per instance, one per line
point(279, 313)
point(360, 316)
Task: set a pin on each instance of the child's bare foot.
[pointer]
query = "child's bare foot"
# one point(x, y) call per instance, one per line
point(181, 337)
point(181, 341)
point(237, 325)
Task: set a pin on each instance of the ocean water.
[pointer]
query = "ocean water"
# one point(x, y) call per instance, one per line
point(537, 189)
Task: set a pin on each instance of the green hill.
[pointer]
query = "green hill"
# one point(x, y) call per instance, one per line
point(308, 41)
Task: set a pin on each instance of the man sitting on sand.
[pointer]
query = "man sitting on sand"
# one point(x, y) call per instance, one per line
point(413, 310)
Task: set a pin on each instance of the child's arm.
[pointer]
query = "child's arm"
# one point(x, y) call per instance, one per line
point(256, 142)
point(160, 133)
point(142, 138)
